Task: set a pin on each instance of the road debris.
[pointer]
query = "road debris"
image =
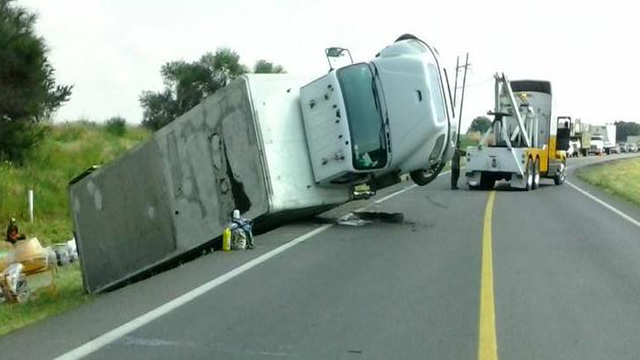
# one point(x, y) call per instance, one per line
point(65, 253)
point(368, 217)
point(352, 219)
point(239, 234)
point(13, 285)
point(26, 267)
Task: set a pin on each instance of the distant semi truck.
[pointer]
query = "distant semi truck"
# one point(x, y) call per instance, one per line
point(597, 145)
point(604, 137)
point(580, 138)
point(272, 146)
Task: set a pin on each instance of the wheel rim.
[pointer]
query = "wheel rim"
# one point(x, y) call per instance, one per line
point(529, 176)
point(536, 179)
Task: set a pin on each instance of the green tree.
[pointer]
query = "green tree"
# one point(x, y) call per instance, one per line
point(160, 108)
point(116, 125)
point(480, 124)
point(187, 84)
point(28, 91)
point(624, 129)
point(265, 67)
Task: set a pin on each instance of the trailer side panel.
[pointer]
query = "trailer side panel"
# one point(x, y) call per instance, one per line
point(173, 193)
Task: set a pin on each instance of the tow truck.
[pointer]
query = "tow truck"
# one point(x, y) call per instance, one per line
point(524, 143)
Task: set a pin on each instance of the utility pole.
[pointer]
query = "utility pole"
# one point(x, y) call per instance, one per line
point(464, 83)
point(455, 86)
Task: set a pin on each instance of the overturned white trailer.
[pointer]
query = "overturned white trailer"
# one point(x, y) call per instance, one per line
point(271, 146)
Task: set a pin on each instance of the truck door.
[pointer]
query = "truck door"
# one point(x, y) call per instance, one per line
point(564, 133)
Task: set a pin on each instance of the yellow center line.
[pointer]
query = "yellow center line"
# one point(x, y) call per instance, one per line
point(487, 343)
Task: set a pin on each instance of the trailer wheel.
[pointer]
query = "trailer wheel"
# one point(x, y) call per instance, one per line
point(561, 176)
point(536, 174)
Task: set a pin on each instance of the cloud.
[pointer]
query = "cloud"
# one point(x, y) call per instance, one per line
point(111, 50)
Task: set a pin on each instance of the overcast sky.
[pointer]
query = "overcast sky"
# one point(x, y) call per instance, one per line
point(111, 50)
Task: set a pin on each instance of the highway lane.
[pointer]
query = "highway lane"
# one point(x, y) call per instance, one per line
point(381, 291)
point(564, 277)
point(567, 277)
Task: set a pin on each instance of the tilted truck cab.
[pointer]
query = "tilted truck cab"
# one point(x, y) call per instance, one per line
point(385, 117)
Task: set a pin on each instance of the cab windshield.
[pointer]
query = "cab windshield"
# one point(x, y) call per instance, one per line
point(366, 125)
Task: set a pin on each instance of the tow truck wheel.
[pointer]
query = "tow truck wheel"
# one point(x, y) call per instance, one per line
point(487, 182)
point(529, 176)
point(536, 174)
point(560, 177)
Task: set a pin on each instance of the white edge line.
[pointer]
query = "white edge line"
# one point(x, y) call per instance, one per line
point(105, 339)
point(132, 325)
point(623, 215)
point(395, 194)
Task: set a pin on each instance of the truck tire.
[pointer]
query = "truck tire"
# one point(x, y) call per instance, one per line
point(407, 37)
point(559, 178)
point(424, 176)
point(487, 182)
point(536, 174)
point(528, 182)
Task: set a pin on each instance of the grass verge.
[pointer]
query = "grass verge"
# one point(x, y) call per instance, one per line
point(45, 303)
point(620, 178)
point(67, 151)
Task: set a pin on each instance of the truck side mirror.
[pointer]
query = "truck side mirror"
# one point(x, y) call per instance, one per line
point(336, 52)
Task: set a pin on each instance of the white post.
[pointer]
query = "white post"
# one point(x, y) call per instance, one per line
point(31, 205)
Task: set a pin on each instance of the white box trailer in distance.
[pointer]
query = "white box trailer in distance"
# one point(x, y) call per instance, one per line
point(269, 146)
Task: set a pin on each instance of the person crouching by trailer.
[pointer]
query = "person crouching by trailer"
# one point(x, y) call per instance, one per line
point(13, 234)
point(455, 167)
point(241, 232)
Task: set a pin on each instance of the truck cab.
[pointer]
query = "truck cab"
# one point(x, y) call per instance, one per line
point(376, 120)
point(597, 145)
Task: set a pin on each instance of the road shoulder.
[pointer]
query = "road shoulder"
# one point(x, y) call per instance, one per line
point(627, 207)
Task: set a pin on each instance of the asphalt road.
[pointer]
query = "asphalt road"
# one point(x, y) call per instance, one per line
point(565, 281)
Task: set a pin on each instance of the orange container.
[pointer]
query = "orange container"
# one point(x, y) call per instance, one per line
point(31, 255)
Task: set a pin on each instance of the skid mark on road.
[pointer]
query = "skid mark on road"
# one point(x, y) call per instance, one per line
point(487, 343)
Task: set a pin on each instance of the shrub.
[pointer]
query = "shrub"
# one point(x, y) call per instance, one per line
point(116, 126)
